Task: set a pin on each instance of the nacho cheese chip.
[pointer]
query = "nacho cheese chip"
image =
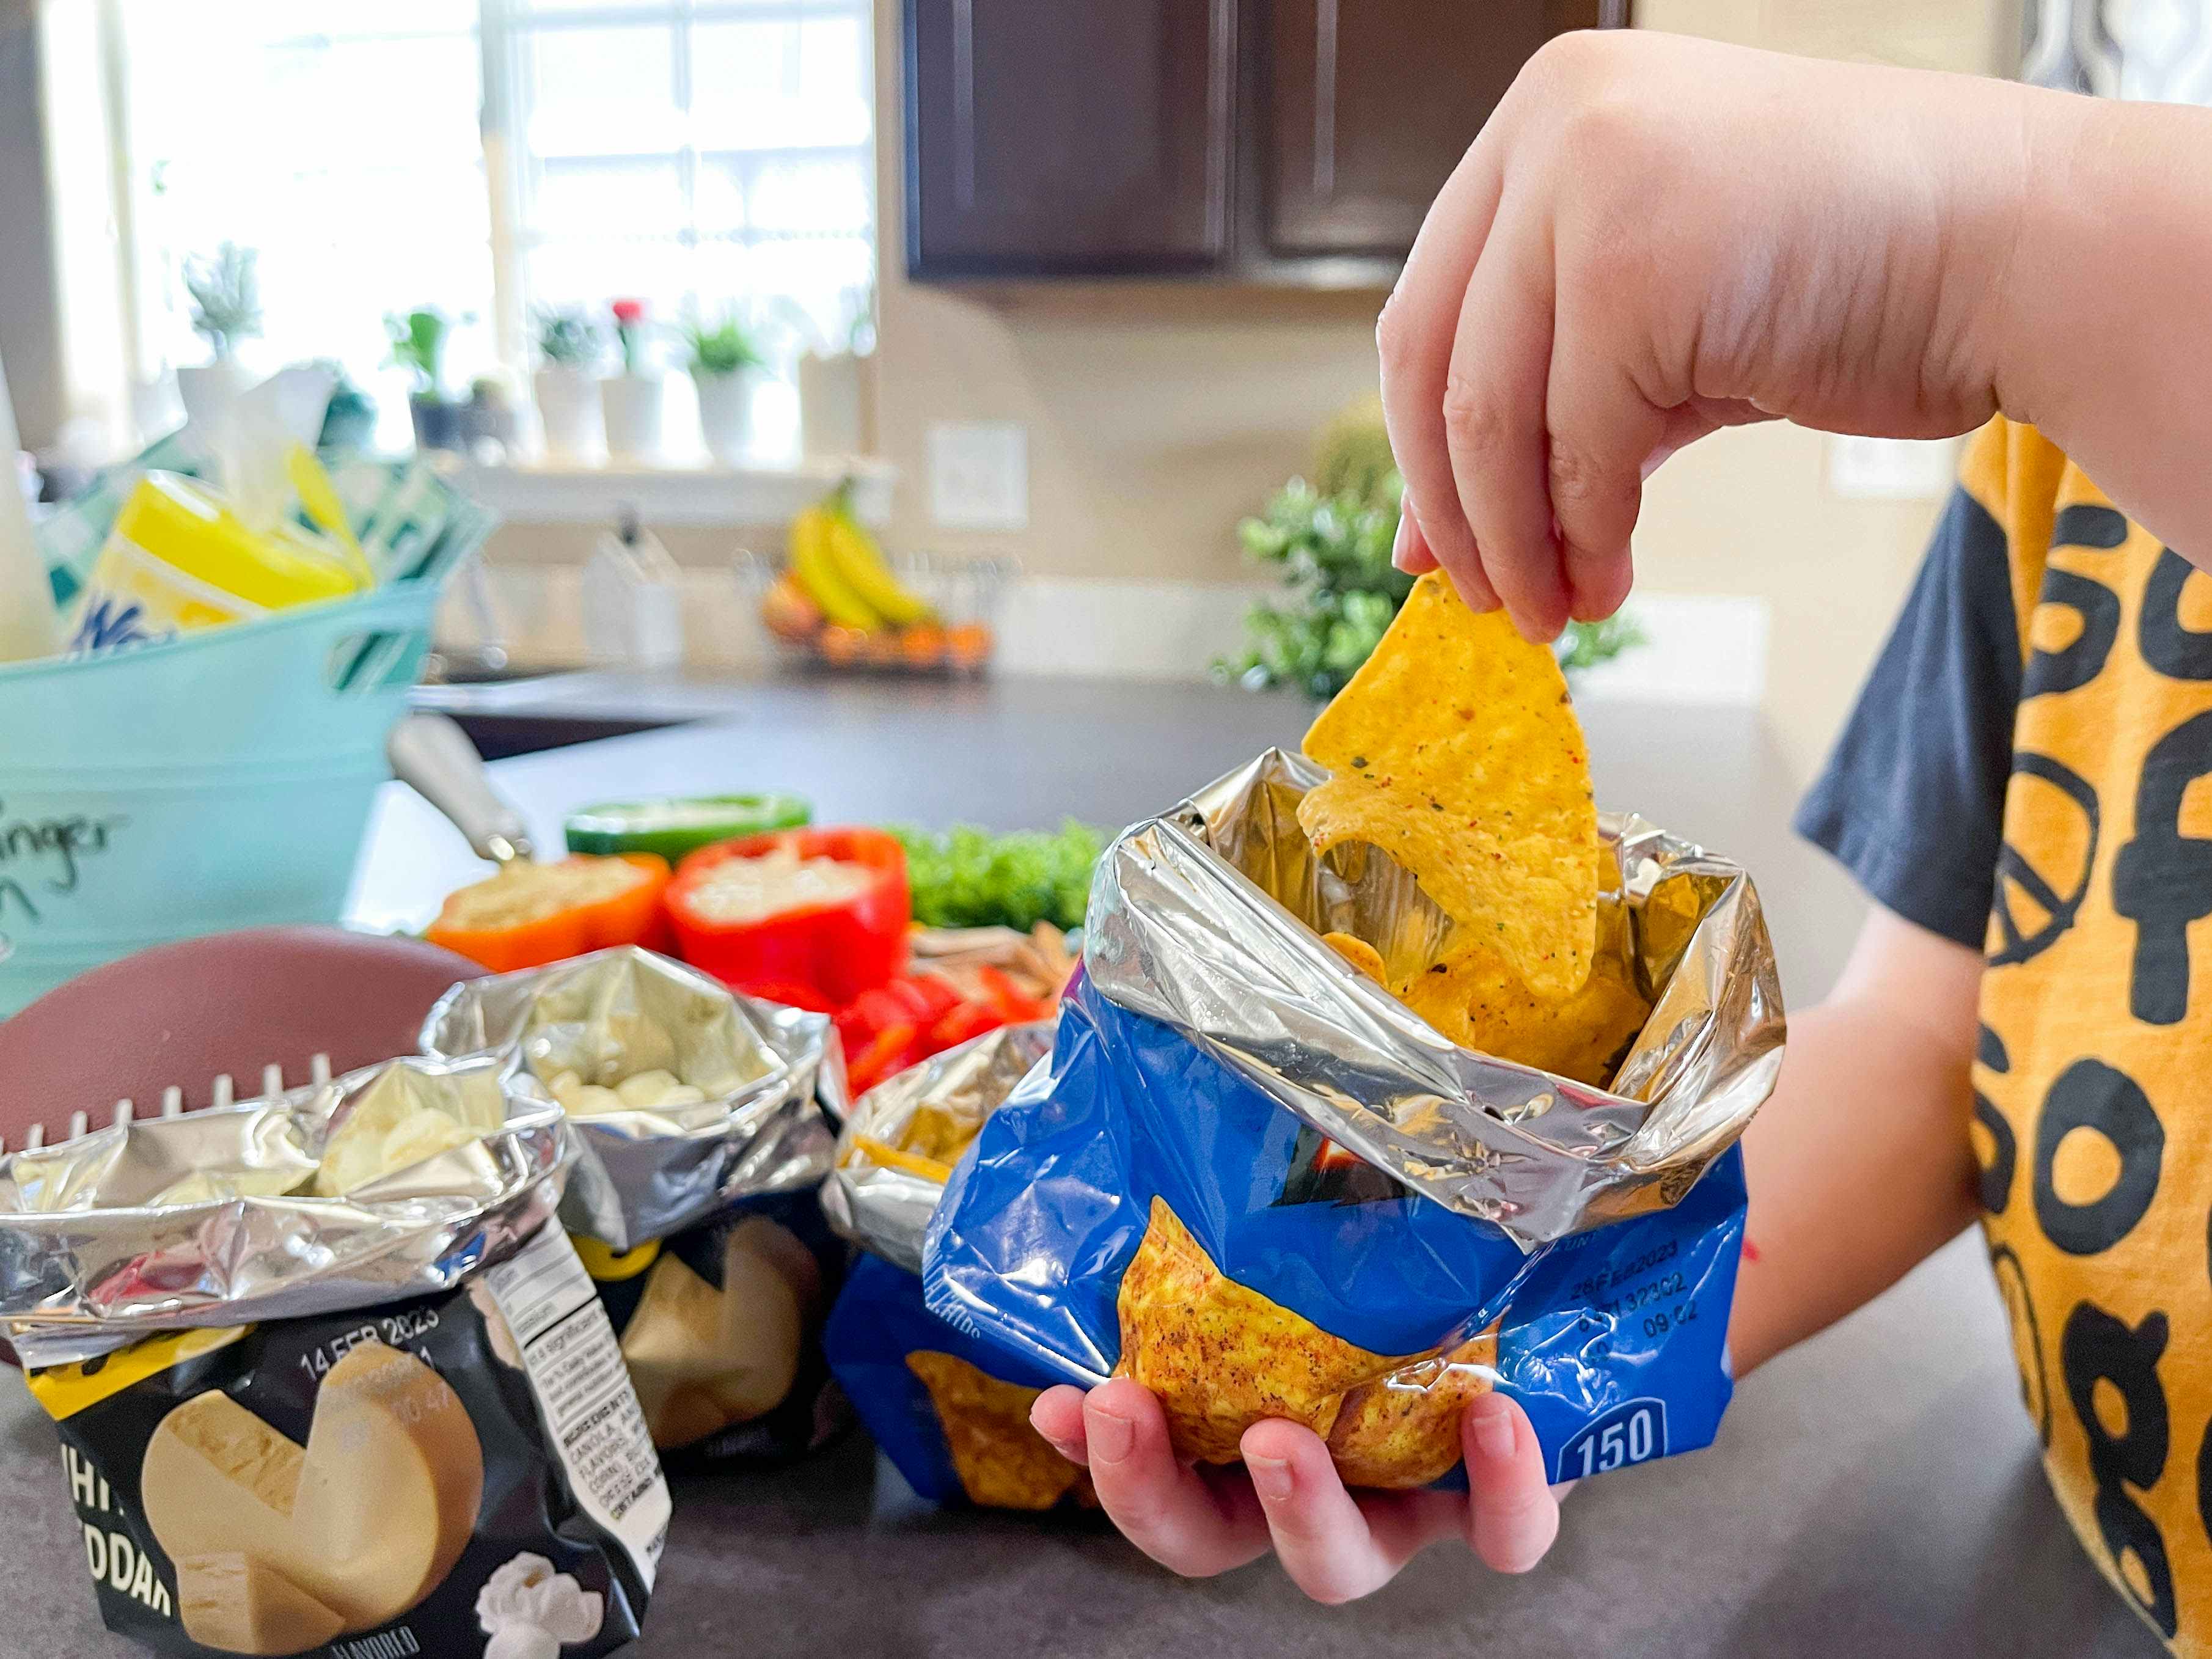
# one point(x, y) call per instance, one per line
point(1003, 1463)
point(1454, 750)
point(1480, 1003)
point(1403, 1430)
point(1359, 953)
point(1220, 1356)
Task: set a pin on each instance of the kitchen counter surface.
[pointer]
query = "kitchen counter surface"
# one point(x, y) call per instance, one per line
point(1875, 1491)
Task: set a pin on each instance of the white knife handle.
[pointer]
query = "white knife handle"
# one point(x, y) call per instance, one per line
point(433, 756)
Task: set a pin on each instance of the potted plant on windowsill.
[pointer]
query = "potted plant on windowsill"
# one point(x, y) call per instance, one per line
point(724, 365)
point(418, 346)
point(569, 345)
point(350, 417)
point(631, 402)
point(226, 308)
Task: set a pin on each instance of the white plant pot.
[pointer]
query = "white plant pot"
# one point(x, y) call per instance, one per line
point(209, 391)
point(631, 405)
point(725, 413)
point(568, 412)
point(833, 404)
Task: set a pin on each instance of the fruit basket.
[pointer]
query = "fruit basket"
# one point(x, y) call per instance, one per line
point(837, 602)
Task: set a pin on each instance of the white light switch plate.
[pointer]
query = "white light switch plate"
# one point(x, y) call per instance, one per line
point(1891, 469)
point(979, 474)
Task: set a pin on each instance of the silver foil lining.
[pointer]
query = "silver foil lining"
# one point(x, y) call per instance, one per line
point(208, 1218)
point(771, 1074)
point(1210, 917)
point(886, 1208)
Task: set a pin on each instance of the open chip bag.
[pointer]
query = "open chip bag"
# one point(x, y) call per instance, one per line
point(951, 1413)
point(1393, 1073)
point(328, 1374)
point(701, 1127)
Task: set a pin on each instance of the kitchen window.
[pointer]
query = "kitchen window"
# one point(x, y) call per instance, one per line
point(490, 157)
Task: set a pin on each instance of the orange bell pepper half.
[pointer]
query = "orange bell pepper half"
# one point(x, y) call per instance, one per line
point(531, 913)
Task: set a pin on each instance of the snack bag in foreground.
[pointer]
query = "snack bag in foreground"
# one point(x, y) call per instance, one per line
point(1347, 1135)
point(701, 1124)
point(951, 1413)
point(392, 1421)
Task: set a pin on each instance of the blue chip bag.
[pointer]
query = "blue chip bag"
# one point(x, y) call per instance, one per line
point(1252, 1180)
point(950, 1412)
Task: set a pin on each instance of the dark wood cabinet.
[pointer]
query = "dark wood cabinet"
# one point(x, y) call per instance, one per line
point(1371, 104)
point(1283, 140)
point(1068, 136)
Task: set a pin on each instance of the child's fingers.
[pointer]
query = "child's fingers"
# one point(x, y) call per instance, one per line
point(1414, 337)
point(1181, 1521)
point(1335, 1548)
point(1494, 421)
point(1513, 1514)
point(1602, 431)
point(1058, 1416)
point(1410, 552)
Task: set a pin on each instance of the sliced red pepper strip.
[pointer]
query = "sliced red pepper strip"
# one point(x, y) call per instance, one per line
point(885, 1054)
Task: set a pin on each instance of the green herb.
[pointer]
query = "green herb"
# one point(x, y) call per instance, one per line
point(723, 348)
point(226, 296)
point(965, 876)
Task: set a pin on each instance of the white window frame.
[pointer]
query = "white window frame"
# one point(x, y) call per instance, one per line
point(503, 29)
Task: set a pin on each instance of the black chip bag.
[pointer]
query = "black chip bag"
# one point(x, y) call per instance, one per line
point(693, 1211)
point(392, 1421)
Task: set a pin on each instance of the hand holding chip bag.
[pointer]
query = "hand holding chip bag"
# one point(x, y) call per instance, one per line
point(1386, 1090)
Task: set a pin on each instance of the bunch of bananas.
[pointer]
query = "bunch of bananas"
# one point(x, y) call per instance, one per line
point(837, 596)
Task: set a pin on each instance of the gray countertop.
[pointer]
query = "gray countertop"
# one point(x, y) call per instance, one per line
point(1873, 1492)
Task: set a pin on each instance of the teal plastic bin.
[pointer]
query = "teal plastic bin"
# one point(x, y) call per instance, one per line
point(221, 781)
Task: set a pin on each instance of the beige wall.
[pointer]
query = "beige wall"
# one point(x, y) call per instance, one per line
point(1159, 415)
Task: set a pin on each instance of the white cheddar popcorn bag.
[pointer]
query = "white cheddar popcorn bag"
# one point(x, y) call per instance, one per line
point(702, 1123)
point(329, 1375)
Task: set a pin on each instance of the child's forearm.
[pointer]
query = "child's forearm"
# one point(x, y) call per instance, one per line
point(2106, 342)
point(1860, 1165)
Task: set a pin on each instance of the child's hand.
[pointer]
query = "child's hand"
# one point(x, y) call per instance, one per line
point(1335, 1546)
point(1654, 237)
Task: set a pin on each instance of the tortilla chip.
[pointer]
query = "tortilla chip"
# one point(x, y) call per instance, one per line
point(937, 1134)
point(891, 1157)
point(1403, 1431)
point(1455, 751)
point(1222, 1358)
point(1003, 1463)
point(1359, 953)
point(1480, 1003)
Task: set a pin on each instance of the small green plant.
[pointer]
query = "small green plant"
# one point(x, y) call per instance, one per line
point(721, 348)
point(1335, 552)
point(570, 336)
point(418, 346)
point(350, 417)
point(226, 296)
point(1332, 544)
point(631, 333)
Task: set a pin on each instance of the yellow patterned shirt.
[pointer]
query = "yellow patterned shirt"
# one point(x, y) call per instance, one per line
point(2030, 769)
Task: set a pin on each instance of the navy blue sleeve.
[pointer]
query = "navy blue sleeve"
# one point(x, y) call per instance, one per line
point(1912, 801)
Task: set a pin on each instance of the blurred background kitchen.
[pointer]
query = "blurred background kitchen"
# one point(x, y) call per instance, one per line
point(1066, 292)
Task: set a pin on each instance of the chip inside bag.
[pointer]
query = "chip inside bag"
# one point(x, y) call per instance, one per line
point(1348, 1127)
point(951, 1413)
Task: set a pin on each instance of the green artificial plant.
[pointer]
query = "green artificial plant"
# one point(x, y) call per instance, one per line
point(1332, 539)
point(721, 348)
point(570, 336)
point(418, 346)
point(225, 290)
